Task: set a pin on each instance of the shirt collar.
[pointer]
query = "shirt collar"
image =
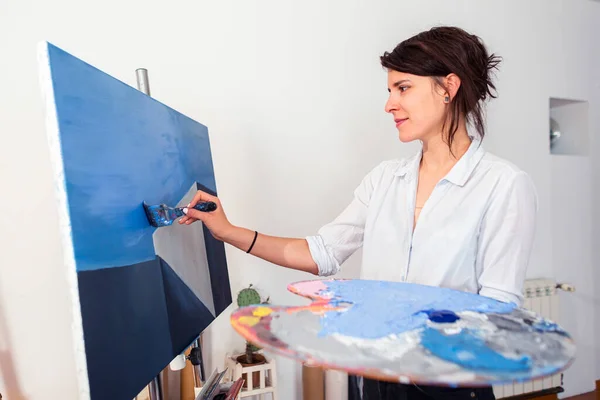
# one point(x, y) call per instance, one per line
point(458, 175)
point(409, 167)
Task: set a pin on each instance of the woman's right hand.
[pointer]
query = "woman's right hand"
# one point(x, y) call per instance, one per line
point(288, 252)
point(216, 221)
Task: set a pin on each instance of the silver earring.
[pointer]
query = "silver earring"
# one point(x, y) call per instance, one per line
point(447, 99)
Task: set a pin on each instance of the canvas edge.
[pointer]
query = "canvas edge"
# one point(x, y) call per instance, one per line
point(54, 145)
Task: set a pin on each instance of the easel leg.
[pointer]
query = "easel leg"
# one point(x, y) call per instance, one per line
point(155, 388)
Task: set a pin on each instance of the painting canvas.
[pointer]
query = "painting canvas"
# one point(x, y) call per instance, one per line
point(141, 295)
point(409, 333)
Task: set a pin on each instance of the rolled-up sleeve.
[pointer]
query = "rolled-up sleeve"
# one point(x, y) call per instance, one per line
point(336, 241)
point(506, 239)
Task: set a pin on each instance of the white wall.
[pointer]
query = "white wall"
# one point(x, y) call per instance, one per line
point(293, 96)
point(594, 89)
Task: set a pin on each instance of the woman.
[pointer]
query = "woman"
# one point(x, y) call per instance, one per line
point(452, 215)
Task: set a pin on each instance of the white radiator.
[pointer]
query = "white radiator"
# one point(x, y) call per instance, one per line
point(540, 297)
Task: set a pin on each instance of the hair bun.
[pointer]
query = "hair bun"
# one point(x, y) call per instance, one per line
point(488, 88)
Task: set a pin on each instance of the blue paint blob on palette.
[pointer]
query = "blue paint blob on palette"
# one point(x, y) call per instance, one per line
point(442, 316)
point(407, 332)
point(469, 349)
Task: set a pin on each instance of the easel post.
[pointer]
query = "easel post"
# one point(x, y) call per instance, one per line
point(195, 358)
point(142, 80)
point(155, 387)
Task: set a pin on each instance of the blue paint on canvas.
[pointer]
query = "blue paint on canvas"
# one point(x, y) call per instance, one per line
point(136, 319)
point(126, 328)
point(134, 149)
point(121, 148)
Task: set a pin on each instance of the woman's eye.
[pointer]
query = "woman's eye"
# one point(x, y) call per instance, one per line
point(403, 88)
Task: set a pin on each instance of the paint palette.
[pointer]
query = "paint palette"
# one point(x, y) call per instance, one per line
point(406, 332)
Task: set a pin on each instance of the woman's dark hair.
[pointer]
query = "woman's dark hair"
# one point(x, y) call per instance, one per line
point(444, 50)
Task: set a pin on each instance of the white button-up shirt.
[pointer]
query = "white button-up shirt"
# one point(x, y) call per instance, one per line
point(474, 233)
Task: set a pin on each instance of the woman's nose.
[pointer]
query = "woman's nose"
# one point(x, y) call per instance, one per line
point(390, 105)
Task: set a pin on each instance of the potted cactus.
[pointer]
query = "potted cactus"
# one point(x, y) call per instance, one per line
point(247, 297)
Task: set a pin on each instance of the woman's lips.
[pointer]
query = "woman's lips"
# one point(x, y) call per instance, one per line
point(400, 121)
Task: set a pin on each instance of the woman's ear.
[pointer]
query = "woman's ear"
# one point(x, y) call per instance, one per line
point(452, 83)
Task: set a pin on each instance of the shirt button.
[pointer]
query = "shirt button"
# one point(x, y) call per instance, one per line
point(472, 394)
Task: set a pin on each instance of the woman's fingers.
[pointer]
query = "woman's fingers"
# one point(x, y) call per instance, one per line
point(195, 215)
point(198, 197)
point(192, 215)
point(184, 219)
point(201, 196)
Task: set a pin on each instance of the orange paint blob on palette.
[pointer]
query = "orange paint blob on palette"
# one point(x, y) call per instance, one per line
point(406, 332)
